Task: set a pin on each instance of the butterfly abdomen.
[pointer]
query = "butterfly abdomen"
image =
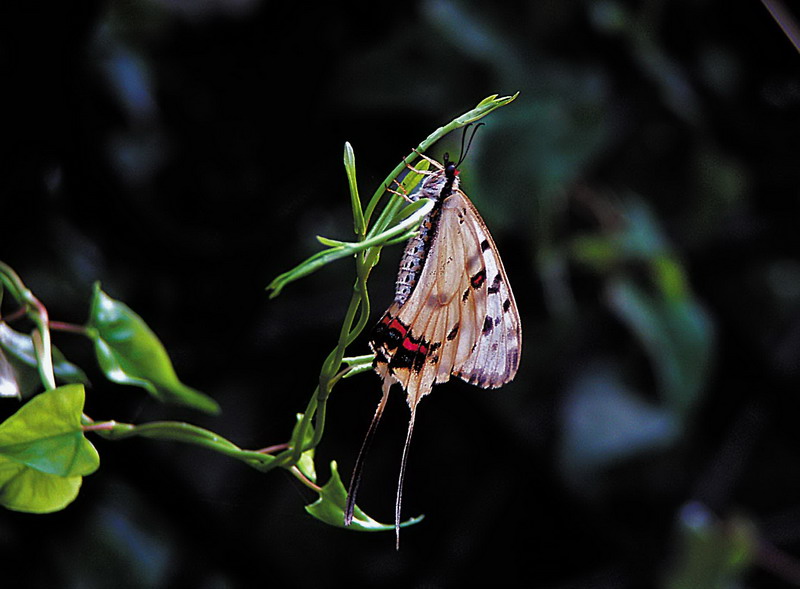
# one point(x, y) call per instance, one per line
point(414, 256)
point(437, 187)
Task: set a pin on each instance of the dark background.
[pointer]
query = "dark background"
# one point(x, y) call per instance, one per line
point(643, 190)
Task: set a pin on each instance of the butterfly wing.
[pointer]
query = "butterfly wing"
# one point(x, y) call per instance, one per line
point(494, 357)
point(460, 318)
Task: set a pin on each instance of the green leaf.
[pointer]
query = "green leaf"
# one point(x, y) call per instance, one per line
point(128, 352)
point(30, 491)
point(358, 364)
point(484, 107)
point(9, 382)
point(306, 462)
point(21, 355)
point(330, 242)
point(329, 508)
point(43, 452)
point(359, 224)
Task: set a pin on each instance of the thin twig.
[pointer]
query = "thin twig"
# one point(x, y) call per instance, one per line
point(785, 21)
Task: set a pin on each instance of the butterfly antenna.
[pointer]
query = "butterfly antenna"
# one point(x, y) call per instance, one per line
point(468, 143)
point(399, 499)
point(355, 479)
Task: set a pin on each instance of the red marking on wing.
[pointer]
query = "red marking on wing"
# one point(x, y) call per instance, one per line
point(396, 324)
point(415, 348)
point(410, 346)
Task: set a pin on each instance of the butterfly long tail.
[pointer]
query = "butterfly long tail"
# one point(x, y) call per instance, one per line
point(355, 479)
point(399, 500)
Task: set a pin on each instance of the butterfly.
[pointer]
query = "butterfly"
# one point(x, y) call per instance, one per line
point(453, 313)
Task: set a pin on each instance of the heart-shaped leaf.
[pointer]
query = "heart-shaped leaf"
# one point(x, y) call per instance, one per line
point(43, 452)
point(329, 508)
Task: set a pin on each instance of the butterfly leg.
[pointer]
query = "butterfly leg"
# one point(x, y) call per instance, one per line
point(402, 192)
point(433, 162)
point(429, 160)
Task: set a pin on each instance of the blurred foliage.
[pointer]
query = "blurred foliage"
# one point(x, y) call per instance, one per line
point(711, 553)
point(641, 189)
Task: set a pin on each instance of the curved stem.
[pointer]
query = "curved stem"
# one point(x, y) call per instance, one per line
point(68, 327)
point(38, 314)
point(305, 480)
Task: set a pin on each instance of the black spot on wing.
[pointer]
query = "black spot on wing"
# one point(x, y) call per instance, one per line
point(495, 286)
point(402, 359)
point(478, 377)
point(419, 362)
point(488, 324)
point(506, 305)
point(479, 279)
point(453, 332)
point(485, 245)
point(513, 356)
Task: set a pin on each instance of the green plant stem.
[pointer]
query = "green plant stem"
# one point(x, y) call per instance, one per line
point(69, 328)
point(179, 432)
point(327, 378)
point(11, 281)
point(272, 449)
point(14, 315)
point(37, 312)
point(305, 480)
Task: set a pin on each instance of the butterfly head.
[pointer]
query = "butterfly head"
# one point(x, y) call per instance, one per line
point(450, 167)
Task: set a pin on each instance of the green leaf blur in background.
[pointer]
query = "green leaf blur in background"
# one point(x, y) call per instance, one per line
point(711, 553)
